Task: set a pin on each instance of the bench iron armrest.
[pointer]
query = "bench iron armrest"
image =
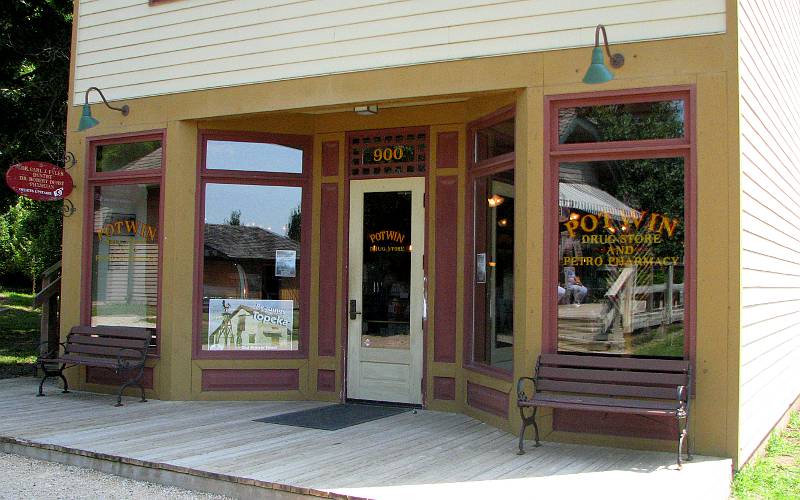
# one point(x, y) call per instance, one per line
point(128, 364)
point(521, 396)
point(50, 353)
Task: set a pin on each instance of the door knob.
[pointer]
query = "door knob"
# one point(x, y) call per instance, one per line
point(353, 312)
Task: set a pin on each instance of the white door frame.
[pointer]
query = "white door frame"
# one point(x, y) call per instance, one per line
point(374, 360)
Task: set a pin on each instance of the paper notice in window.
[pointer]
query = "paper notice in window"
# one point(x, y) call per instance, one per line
point(285, 263)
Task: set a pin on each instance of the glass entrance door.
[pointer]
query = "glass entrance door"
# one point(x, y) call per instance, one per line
point(385, 308)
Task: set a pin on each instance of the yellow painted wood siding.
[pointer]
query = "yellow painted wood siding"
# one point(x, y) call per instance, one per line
point(132, 49)
point(769, 51)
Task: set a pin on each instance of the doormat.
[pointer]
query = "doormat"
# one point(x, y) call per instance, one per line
point(334, 417)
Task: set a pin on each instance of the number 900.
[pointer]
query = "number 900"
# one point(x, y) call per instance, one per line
point(387, 154)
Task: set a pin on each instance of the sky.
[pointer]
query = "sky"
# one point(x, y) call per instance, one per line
point(263, 206)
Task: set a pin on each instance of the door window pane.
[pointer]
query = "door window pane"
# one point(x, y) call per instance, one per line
point(251, 268)
point(386, 281)
point(621, 122)
point(494, 270)
point(253, 157)
point(621, 236)
point(125, 247)
point(129, 157)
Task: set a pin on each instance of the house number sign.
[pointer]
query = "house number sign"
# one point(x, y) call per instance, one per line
point(388, 154)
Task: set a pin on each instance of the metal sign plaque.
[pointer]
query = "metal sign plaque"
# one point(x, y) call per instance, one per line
point(39, 181)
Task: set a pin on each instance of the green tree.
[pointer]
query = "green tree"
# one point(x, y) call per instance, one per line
point(30, 238)
point(34, 74)
point(235, 219)
point(293, 228)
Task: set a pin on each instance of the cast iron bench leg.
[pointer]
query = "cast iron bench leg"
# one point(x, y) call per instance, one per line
point(51, 374)
point(66, 385)
point(526, 421)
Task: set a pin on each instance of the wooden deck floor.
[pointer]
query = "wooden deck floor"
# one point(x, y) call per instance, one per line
point(424, 454)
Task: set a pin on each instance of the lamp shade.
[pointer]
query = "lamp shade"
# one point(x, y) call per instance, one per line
point(598, 72)
point(87, 121)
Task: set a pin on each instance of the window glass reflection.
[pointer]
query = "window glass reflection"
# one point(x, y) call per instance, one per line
point(251, 268)
point(494, 140)
point(253, 157)
point(621, 122)
point(125, 247)
point(130, 157)
point(621, 237)
point(494, 270)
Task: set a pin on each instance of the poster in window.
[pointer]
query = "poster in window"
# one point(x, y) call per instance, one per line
point(251, 325)
point(480, 268)
point(285, 263)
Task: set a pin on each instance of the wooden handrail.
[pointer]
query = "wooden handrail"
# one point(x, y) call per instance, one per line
point(48, 291)
point(50, 270)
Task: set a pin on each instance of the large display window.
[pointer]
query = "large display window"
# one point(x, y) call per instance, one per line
point(621, 242)
point(490, 244)
point(252, 292)
point(123, 239)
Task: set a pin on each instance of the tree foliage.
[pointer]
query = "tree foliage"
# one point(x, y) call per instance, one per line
point(34, 74)
point(30, 238)
point(235, 218)
point(293, 228)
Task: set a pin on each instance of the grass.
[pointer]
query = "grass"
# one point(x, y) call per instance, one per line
point(777, 474)
point(660, 342)
point(19, 330)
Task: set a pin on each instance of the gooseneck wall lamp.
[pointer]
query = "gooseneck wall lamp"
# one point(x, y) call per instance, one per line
point(598, 72)
point(87, 120)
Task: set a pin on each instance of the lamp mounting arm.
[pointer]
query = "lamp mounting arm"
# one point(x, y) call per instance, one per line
point(617, 60)
point(124, 109)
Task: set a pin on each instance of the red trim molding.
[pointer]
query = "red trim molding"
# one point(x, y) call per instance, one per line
point(447, 150)
point(330, 158)
point(444, 388)
point(251, 380)
point(106, 376)
point(326, 380)
point(487, 399)
point(329, 255)
point(444, 336)
point(615, 424)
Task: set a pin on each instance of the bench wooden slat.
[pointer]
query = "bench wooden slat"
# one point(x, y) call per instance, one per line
point(638, 364)
point(608, 409)
point(110, 351)
point(608, 389)
point(625, 377)
point(631, 404)
point(88, 361)
point(123, 332)
point(108, 341)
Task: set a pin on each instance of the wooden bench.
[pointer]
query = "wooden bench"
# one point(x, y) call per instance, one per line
point(122, 349)
point(649, 387)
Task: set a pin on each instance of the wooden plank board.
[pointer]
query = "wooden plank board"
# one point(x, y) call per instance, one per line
point(426, 448)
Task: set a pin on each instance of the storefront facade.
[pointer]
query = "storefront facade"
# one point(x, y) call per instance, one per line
point(281, 246)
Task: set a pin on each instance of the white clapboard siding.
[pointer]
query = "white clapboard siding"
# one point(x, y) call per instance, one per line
point(769, 49)
point(132, 49)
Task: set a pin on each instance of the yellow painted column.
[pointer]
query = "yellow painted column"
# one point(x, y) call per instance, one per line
point(173, 374)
